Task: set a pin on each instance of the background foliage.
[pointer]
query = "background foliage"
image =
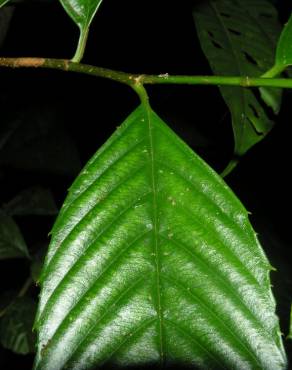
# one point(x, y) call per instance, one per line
point(47, 130)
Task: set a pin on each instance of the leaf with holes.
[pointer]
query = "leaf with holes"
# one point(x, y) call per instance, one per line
point(153, 260)
point(239, 38)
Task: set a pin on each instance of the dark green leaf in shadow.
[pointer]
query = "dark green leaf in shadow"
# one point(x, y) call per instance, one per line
point(12, 244)
point(32, 201)
point(6, 299)
point(36, 141)
point(239, 39)
point(5, 18)
point(16, 326)
point(153, 260)
point(37, 263)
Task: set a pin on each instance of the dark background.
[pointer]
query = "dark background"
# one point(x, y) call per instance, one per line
point(65, 117)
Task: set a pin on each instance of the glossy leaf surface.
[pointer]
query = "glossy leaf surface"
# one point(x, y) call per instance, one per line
point(284, 47)
point(16, 326)
point(239, 39)
point(153, 261)
point(82, 13)
point(12, 244)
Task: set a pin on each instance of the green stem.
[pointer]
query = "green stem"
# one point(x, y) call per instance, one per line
point(27, 284)
point(230, 167)
point(142, 93)
point(276, 70)
point(81, 45)
point(135, 79)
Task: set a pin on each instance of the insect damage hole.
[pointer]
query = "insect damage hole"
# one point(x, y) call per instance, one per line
point(234, 32)
point(254, 111)
point(266, 15)
point(256, 130)
point(216, 44)
point(250, 58)
point(225, 15)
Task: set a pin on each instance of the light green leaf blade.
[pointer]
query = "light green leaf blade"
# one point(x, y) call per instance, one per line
point(289, 336)
point(16, 326)
point(239, 38)
point(82, 13)
point(153, 261)
point(284, 47)
point(12, 244)
point(3, 2)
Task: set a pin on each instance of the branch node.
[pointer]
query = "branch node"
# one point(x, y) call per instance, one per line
point(138, 79)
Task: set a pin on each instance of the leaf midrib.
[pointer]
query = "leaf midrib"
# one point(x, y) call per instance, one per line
point(214, 7)
point(155, 231)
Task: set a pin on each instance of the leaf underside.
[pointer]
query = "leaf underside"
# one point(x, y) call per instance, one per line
point(239, 39)
point(153, 261)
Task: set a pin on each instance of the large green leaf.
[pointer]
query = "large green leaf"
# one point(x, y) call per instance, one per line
point(82, 13)
point(239, 38)
point(16, 326)
point(12, 244)
point(153, 260)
